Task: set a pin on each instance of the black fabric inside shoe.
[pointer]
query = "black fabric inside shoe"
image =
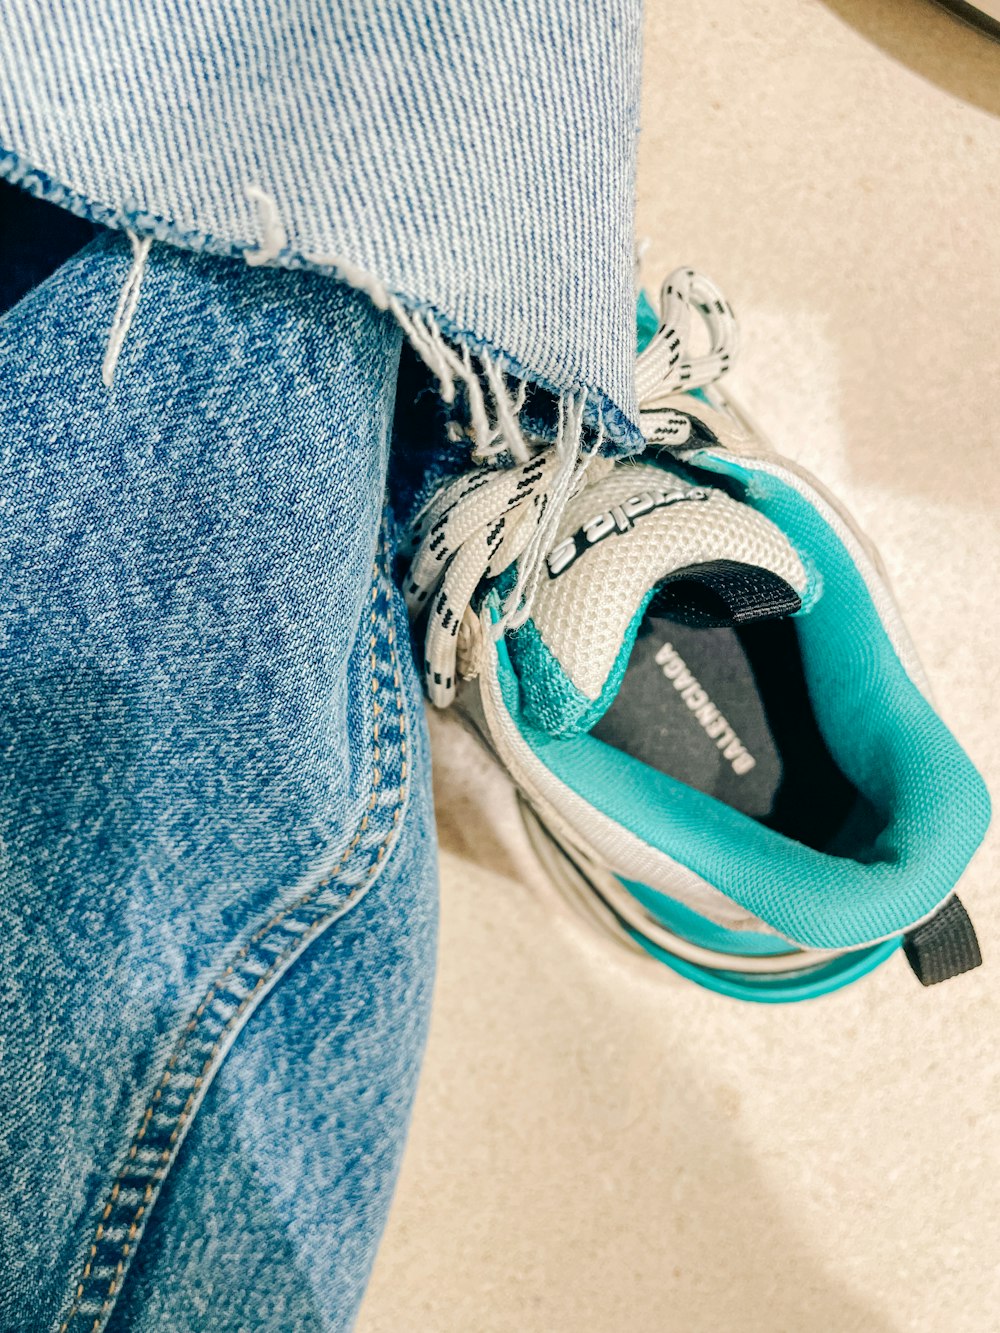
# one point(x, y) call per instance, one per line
point(725, 709)
point(36, 238)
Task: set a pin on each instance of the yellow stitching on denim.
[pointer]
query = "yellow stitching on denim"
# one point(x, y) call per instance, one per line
point(300, 944)
point(282, 957)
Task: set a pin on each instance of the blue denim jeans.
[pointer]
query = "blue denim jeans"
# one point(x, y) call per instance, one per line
point(218, 887)
point(473, 161)
point(217, 896)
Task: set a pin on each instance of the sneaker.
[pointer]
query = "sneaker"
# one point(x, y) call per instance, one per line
point(696, 676)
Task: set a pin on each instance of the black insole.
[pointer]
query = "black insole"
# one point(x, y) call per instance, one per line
point(726, 710)
point(36, 238)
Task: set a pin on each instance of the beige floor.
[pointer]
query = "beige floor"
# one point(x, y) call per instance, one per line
point(599, 1147)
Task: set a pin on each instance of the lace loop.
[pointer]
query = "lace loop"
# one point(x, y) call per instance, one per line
point(665, 365)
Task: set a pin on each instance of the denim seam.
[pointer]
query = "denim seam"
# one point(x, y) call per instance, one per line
point(138, 1200)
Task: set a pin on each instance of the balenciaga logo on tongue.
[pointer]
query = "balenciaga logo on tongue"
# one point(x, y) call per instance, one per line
point(618, 519)
point(712, 722)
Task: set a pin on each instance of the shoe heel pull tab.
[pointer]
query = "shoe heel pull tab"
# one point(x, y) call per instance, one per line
point(943, 947)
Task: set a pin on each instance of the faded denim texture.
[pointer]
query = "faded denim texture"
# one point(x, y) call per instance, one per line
point(218, 889)
point(217, 899)
point(477, 159)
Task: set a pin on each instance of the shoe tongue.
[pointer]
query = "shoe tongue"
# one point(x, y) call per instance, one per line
point(641, 531)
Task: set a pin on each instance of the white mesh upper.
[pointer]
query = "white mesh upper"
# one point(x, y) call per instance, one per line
point(582, 614)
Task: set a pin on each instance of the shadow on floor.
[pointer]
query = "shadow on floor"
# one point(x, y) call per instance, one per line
point(933, 43)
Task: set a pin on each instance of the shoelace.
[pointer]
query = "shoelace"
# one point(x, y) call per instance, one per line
point(665, 365)
point(482, 521)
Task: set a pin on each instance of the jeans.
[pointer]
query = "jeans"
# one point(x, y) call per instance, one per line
point(217, 898)
point(218, 888)
point(474, 161)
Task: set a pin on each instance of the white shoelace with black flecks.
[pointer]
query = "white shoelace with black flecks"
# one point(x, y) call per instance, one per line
point(480, 522)
point(665, 366)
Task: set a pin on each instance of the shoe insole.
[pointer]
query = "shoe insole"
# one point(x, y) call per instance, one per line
point(726, 710)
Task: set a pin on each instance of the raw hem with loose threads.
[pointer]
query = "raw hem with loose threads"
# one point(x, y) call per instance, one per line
point(621, 436)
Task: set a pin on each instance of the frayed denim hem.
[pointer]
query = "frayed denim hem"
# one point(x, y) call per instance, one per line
point(620, 435)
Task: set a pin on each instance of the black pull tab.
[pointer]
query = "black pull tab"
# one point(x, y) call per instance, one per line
point(943, 947)
point(724, 592)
